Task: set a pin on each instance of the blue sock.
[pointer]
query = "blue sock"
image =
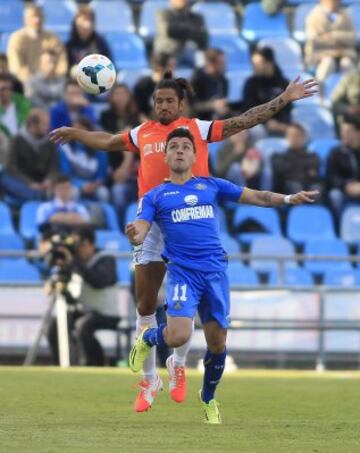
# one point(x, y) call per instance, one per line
point(214, 367)
point(155, 336)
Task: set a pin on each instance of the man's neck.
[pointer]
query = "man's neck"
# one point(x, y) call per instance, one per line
point(180, 178)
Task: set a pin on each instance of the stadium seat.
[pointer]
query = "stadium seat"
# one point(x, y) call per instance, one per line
point(131, 76)
point(341, 277)
point(350, 225)
point(27, 222)
point(296, 276)
point(11, 242)
point(4, 40)
point(310, 222)
point(330, 84)
point(270, 145)
point(11, 16)
point(267, 219)
point(300, 14)
point(331, 247)
point(271, 246)
point(299, 2)
point(287, 53)
point(124, 270)
point(130, 213)
point(236, 51)
point(354, 13)
point(258, 25)
point(18, 271)
point(113, 241)
point(322, 148)
point(147, 21)
point(128, 50)
point(110, 216)
point(229, 243)
point(241, 275)
point(237, 79)
point(58, 15)
point(219, 17)
point(318, 121)
point(113, 16)
point(6, 223)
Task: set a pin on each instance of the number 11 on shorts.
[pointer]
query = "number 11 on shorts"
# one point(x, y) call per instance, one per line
point(183, 289)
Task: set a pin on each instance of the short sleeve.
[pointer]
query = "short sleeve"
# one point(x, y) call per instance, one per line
point(228, 191)
point(131, 139)
point(210, 131)
point(146, 209)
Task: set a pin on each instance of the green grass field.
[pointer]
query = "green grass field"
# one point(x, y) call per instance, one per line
point(90, 410)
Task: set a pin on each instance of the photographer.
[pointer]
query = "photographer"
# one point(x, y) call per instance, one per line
point(97, 306)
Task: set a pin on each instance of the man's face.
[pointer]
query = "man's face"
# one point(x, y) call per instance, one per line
point(349, 136)
point(295, 138)
point(331, 5)
point(47, 64)
point(180, 154)
point(63, 191)
point(85, 249)
point(261, 66)
point(5, 92)
point(178, 4)
point(167, 105)
point(40, 128)
point(34, 20)
point(73, 96)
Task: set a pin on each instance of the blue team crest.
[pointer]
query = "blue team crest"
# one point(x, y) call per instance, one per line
point(200, 186)
point(191, 200)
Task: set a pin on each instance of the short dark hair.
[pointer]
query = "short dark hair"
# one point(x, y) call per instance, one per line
point(181, 86)
point(352, 121)
point(86, 232)
point(60, 179)
point(266, 52)
point(298, 126)
point(180, 132)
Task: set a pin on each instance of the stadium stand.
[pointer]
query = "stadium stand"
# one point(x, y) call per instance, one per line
point(11, 16)
point(264, 220)
point(350, 225)
point(211, 13)
point(58, 15)
point(319, 247)
point(258, 25)
point(341, 277)
point(18, 271)
point(293, 276)
point(242, 275)
point(270, 246)
point(113, 16)
point(6, 224)
point(147, 23)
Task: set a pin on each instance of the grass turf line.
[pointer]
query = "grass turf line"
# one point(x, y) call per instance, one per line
point(90, 410)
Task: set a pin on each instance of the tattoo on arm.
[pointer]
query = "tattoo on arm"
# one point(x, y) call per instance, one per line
point(265, 197)
point(252, 117)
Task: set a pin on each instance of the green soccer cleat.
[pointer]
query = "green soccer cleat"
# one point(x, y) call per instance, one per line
point(139, 353)
point(211, 411)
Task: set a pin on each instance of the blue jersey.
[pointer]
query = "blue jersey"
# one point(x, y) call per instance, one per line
point(187, 215)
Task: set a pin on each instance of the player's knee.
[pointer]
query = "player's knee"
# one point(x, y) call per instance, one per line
point(176, 339)
point(217, 345)
point(146, 305)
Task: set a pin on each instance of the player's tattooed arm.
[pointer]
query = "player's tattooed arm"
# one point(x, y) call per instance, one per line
point(264, 112)
point(137, 231)
point(269, 199)
point(96, 140)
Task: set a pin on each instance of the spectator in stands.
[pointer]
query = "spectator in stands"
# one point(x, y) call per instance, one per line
point(74, 106)
point(265, 84)
point(27, 44)
point(144, 88)
point(97, 305)
point(331, 39)
point(62, 212)
point(211, 87)
point(272, 7)
point(343, 169)
point(346, 96)
point(32, 162)
point(14, 108)
point(297, 169)
point(84, 40)
point(181, 33)
point(86, 168)
point(46, 87)
point(238, 162)
point(4, 69)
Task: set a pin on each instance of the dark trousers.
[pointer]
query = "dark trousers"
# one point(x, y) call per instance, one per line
point(85, 349)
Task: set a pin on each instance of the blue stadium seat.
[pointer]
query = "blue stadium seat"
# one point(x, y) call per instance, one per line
point(299, 19)
point(113, 241)
point(330, 84)
point(322, 148)
point(4, 40)
point(271, 246)
point(299, 2)
point(124, 270)
point(350, 225)
point(11, 242)
point(219, 17)
point(11, 16)
point(229, 243)
point(27, 223)
point(130, 213)
point(110, 216)
point(18, 271)
point(131, 76)
point(270, 145)
point(237, 79)
point(333, 247)
point(310, 222)
point(341, 277)
point(354, 13)
point(296, 276)
point(241, 275)
point(58, 15)
point(147, 21)
point(318, 121)
point(6, 223)
point(113, 16)
point(236, 51)
point(258, 25)
point(287, 54)
point(128, 50)
point(268, 219)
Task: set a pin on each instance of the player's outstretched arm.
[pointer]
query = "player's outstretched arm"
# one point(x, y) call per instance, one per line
point(137, 231)
point(268, 199)
point(295, 90)
point(92, 139)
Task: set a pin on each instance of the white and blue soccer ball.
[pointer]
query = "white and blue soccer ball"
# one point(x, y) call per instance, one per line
point(96, 74)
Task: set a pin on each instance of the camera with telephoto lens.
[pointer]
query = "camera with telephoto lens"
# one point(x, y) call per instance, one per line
point(56, 257)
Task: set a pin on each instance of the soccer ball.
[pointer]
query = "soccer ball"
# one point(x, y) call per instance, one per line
point(95, 74)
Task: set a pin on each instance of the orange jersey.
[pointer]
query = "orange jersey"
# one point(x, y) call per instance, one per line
point(149, 140)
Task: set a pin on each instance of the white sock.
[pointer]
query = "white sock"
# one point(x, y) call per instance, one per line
point(180, 353)
point(149, 367)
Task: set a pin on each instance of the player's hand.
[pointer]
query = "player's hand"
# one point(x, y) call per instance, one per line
point(63, 135)
point(133, 234)
point(304, 197)
point(300, 90)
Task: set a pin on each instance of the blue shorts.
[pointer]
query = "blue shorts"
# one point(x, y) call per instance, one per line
point(188, 291)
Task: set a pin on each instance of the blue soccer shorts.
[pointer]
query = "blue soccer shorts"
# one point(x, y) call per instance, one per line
point(189, 290)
